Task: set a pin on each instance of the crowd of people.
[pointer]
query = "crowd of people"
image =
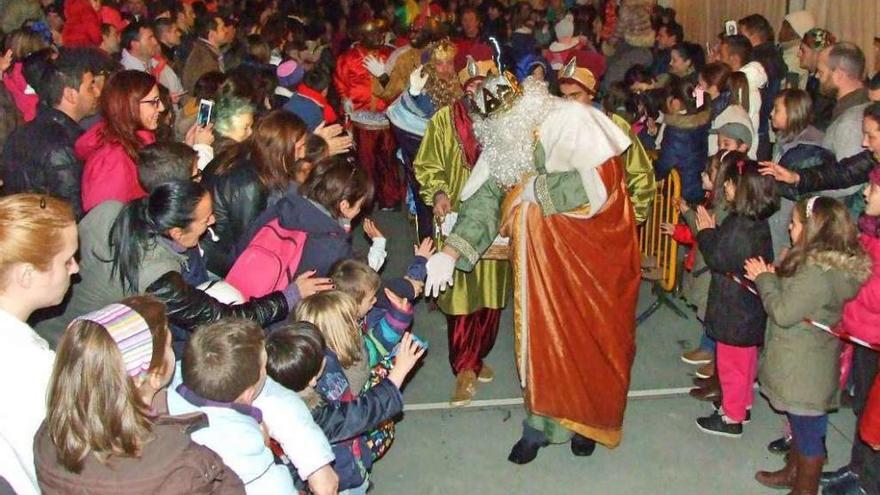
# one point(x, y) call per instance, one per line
point(187, 312)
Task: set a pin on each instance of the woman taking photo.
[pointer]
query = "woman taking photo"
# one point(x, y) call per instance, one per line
point(131, 106)
point(114, 364)
point(38, 242)
point(140, 248)
point(244, 178)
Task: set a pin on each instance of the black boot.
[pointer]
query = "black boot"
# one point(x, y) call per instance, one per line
point(526, 449)
point(582, 446)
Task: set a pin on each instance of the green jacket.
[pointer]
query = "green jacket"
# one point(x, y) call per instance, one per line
point(799, 371)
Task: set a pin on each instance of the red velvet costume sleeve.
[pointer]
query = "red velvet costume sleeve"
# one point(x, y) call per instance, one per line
point(354, 82)
point(683, 235)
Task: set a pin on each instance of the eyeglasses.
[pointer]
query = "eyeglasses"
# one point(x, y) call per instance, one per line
point(155, 102)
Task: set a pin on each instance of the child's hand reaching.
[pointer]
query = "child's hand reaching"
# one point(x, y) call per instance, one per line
point(398, 302)
point(308, 284)
point(756, 266)
point(372, 230)
point(408, 354)
point(682, 205)
point(425, 249)
point(417, 285)
point(667, 228)
point(705, 220)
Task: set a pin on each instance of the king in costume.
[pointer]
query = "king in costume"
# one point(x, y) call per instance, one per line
point(550, 177)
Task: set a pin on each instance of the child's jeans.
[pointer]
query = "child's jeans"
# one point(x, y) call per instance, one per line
point(707, 343)
point(737, 368)
point(807, 434)
point(358, 490)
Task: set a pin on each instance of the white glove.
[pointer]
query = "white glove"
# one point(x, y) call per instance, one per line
point(374, 66)
point(417, 81)
point(377, 254)
point(440, 268)
point(347, 106)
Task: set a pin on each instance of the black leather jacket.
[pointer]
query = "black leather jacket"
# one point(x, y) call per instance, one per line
point(239, 198)
point(848, 172)
point(38, 157)
point(188, 307)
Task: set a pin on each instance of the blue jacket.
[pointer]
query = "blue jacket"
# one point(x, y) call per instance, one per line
point(684, 147)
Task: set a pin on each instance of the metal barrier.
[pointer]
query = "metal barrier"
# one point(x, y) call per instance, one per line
point(660, 251)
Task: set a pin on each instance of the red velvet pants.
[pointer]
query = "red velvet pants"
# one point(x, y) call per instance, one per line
point(471, 338)
point(375, 154)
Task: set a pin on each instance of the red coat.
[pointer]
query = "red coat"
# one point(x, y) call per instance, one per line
point(354, 82)
point(682, 234)
point(26, 101)
point(108, 173)
point(861, 318)
point(82, 26)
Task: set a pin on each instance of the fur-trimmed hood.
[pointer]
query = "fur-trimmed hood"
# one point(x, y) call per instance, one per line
point(689, 121)
point(857, 267)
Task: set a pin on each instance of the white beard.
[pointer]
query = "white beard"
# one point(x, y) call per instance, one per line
point(508, 138)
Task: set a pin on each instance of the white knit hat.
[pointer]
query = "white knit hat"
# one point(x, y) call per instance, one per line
point(801, 21)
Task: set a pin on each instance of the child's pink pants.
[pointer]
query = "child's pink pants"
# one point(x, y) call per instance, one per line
point(737, 368)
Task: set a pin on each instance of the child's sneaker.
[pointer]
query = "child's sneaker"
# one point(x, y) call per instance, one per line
point(697, 356)
point(717, 405)
point(718, 424)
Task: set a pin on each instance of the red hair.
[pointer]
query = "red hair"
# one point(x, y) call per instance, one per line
point(121, 108)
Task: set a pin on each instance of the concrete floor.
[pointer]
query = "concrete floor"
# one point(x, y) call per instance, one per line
point(443, 450)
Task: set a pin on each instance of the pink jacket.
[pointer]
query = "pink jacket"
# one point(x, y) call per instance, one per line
point(861, 316)
point(82, 26)
point(109, 173)
point(17, 86)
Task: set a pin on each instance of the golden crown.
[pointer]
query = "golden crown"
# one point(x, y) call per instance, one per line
point(443, 51)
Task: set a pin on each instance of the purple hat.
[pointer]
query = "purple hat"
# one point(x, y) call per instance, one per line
point(290, 73)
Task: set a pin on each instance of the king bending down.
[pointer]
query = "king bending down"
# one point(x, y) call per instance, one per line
point(550, 178)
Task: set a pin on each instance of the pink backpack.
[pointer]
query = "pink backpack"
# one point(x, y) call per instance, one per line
point(269, 262)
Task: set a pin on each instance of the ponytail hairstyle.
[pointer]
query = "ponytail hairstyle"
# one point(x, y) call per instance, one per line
point(756, 194)
point(142, 222)
point(738, 85)
point(335, 179)
point(30, 230)
point(827, 228)
point(336, 316)
point(94, 405)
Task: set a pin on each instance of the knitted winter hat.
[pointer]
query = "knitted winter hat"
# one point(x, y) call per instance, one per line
point(801, 21)
point(289, 73)
point(635, 23)
point(131, 333)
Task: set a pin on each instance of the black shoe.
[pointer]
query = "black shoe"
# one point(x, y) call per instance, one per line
point(717, 405)
point(780, 446)
point(842, 475)
point(716, 424)
point(582, 446)
point(525, 451)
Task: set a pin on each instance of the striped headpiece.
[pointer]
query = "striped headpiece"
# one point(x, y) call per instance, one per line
point(130, 332)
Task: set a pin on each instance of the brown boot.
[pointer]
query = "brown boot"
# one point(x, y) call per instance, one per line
point(809, 469)
point(465, 388)
point(784, 478)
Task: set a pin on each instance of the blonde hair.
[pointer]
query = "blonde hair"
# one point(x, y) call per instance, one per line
point(94, 406)
point(336, 316)
point(30, 228)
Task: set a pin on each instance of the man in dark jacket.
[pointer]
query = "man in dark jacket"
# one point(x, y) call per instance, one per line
point(38, 157)
point(764, 50)
point(214, 34)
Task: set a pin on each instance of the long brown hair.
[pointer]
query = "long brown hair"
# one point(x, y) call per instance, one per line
point(30, 226)
point(94, 406)
point(121, 108)
point(271, 149)
point(827, 228)
point(798, 111)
